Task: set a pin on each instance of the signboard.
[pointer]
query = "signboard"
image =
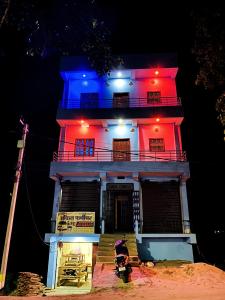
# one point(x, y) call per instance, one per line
point(75, 222)
point(120, 186)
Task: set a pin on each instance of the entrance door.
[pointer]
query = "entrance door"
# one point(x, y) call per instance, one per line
point(121, 100)
point(123, 213)
point(121, 149)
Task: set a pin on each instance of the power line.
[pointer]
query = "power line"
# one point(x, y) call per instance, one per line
point(30, 207)
point(130, 152)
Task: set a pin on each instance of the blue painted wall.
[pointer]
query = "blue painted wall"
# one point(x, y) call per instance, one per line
point(163, 248)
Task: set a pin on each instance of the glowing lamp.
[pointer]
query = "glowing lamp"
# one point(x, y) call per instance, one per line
point(120, 121)
point(156, 72)
point(84, 75)
point(157, 119)
point(119, 83)
point(82, 121)
point(85, 125)
point(119, 74)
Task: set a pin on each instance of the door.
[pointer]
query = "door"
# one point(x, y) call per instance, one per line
point(121, 100)
point(123, 213)
point(121, 149)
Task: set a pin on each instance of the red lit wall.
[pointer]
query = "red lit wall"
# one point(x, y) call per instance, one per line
point(165, 131)
point(164, 85)
point(79, 132)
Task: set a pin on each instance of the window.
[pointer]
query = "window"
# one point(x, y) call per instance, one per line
point(84, 147)
point(156, 145)
point(153, 97)
point(89, 100)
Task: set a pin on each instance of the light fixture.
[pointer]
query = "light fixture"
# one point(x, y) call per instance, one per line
point(157, 119)
point(120, 121)
point(85, 125)
point(84, 75)
point(156, 72)
point(119, 74)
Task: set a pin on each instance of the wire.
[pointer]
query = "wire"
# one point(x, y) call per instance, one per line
point(30, 207)
point(132, 153)
point(118, 151)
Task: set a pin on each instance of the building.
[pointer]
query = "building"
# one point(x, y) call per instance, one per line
point(120, 166)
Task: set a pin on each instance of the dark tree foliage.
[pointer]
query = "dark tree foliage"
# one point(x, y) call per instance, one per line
point(64, 27)
point(209, 52)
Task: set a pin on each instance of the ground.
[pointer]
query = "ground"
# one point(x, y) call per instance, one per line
point(197, 281)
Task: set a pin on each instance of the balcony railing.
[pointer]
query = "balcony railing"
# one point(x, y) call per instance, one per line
point(119, 103)
point(109, 155)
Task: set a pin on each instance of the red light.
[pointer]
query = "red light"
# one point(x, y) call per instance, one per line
point(82, 121)
point(157, 120)
point(156, 72)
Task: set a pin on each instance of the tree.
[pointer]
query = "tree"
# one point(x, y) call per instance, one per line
point(64, 27)
point(209, 52)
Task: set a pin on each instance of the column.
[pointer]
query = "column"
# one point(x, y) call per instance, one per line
point(184, 207)
point(51, 277)
point(56, 203)
point(102, 190)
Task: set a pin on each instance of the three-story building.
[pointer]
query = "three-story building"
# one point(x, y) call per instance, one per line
point(120, 157)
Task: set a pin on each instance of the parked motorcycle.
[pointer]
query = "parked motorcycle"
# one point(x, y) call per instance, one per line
point(123, 268)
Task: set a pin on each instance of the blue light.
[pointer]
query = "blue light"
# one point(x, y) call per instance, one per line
point(85, 83)
point(84, 75)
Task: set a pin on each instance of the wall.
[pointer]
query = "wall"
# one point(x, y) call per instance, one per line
point(103, 138)
point(157, 130)
point(165, 248)
point(107, 86)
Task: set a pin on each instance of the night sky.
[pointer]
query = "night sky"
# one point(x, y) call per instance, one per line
point(32, 87)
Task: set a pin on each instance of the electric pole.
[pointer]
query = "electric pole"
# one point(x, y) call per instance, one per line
point(21, 146)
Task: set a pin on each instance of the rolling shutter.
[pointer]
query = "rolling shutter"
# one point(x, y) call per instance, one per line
point(161, 207)
point(81, 196)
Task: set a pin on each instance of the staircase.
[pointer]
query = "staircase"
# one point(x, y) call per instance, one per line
point(105, 253)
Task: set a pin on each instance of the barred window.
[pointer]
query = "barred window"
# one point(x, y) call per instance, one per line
point(84, 147)
point(156, 145)
point(153, 97)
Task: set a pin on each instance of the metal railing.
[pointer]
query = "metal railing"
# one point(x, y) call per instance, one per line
point(110, 155)
point(120, 103)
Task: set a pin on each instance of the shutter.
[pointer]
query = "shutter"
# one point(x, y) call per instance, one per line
point(161, 207)
point(81, 196)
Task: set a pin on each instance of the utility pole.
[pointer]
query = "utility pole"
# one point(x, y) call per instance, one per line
point(21, 146)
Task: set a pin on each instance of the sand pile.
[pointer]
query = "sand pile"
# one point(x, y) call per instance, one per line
point(196, 273)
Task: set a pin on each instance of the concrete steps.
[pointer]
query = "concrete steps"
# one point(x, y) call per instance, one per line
point(105, 253)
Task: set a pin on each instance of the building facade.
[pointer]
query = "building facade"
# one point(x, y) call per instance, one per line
point(120, 158)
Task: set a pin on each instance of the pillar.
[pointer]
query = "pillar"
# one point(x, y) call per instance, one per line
point(56, 203)
point(184, 207)
point(103, 188)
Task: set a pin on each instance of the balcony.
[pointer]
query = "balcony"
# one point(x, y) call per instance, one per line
point(109, 156)
point(117, 103)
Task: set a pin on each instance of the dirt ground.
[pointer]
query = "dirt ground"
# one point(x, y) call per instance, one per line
point(197, 281)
